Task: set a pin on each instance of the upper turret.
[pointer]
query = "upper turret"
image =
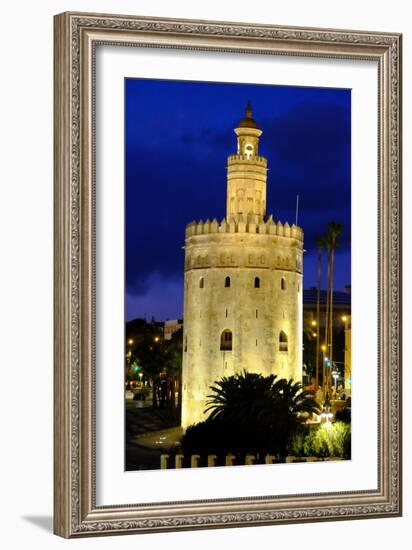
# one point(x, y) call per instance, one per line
point(248, 134)
point(246, 171)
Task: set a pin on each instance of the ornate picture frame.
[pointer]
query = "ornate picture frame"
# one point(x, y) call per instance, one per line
point(76, 36)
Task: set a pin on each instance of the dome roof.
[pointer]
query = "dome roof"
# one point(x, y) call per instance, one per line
point(248, 121)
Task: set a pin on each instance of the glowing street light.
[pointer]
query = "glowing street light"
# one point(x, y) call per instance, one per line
point(335, 375)
point(156, 339)
point(130, 341)
point(326, 414)
point(344, 318)
point(313, 323)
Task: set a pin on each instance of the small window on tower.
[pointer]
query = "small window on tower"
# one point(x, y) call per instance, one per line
point(283, 283)
point(257, 282)
point(201, 282)
point(185, 343)
point(283, 341)
point(226, 340)
point(227, 282)
point(249, 150)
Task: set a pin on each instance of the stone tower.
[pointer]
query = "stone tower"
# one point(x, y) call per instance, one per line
point(242, 285)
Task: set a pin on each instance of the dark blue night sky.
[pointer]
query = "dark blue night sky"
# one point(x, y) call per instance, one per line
point(178, 136)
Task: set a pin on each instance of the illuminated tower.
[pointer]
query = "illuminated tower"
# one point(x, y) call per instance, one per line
point(243, 285)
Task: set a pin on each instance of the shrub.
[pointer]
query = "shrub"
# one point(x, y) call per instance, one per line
point(329, 440)
point(252, 413)
point(296, 443)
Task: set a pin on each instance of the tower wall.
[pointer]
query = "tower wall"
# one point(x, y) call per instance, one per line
point(246, 185)
point(254, 323)
point(241, 249)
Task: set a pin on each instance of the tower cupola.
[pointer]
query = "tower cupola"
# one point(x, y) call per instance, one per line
point(248, 134)
point(246, 171)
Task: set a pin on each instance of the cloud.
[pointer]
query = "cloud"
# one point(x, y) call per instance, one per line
point(183, 177)
point(162, 298)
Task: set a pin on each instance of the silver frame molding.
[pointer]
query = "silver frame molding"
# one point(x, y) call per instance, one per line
point(75, 39)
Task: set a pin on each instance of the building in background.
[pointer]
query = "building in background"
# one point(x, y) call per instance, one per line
point(171, 326)
point(242, 285)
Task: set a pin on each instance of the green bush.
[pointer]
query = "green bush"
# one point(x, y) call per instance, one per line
point(296, 443)
point(329, 440)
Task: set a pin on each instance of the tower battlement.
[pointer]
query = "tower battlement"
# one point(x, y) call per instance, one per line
point(244, 224)
point(256, 159)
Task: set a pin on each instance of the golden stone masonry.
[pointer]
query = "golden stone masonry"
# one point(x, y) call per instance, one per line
point(243, 285)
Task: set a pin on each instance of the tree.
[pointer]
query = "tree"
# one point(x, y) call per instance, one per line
point(291, 406)
point(144, 346)
point(251, 413)
point(150, 355)
point(321, 243)
point(325, 373)
point(240, 397)
point(334, 231)
point(173, 349)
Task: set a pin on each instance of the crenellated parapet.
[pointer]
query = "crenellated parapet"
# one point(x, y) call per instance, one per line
point(255, 160)
point(245, 224)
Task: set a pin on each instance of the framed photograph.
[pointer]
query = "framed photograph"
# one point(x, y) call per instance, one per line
point(227, 274)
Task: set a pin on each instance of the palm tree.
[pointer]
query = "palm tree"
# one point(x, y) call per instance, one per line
point(321, 243)
point(334, 231)
point(240, 397)
point(325, 377)
point(292, 404)
point(292, 399)
point(259, 412)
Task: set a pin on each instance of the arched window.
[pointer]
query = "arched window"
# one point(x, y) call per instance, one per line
point(249, 150)
point(226, 340)
point(257, 282)
point(227, 282)
point(185, 343)
point(283, 283)
point(283, 341)
point(201, 282)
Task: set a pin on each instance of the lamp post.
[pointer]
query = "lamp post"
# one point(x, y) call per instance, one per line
point(335, 375)
point(315, 371)
point(323, 348)
point(326, 414)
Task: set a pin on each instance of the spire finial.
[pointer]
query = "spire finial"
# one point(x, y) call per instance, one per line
point(249, 109)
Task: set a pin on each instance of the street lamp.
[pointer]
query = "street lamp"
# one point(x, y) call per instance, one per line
point(130, 341)
point(326, 414)
point(323, 348)
point(335, 375)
